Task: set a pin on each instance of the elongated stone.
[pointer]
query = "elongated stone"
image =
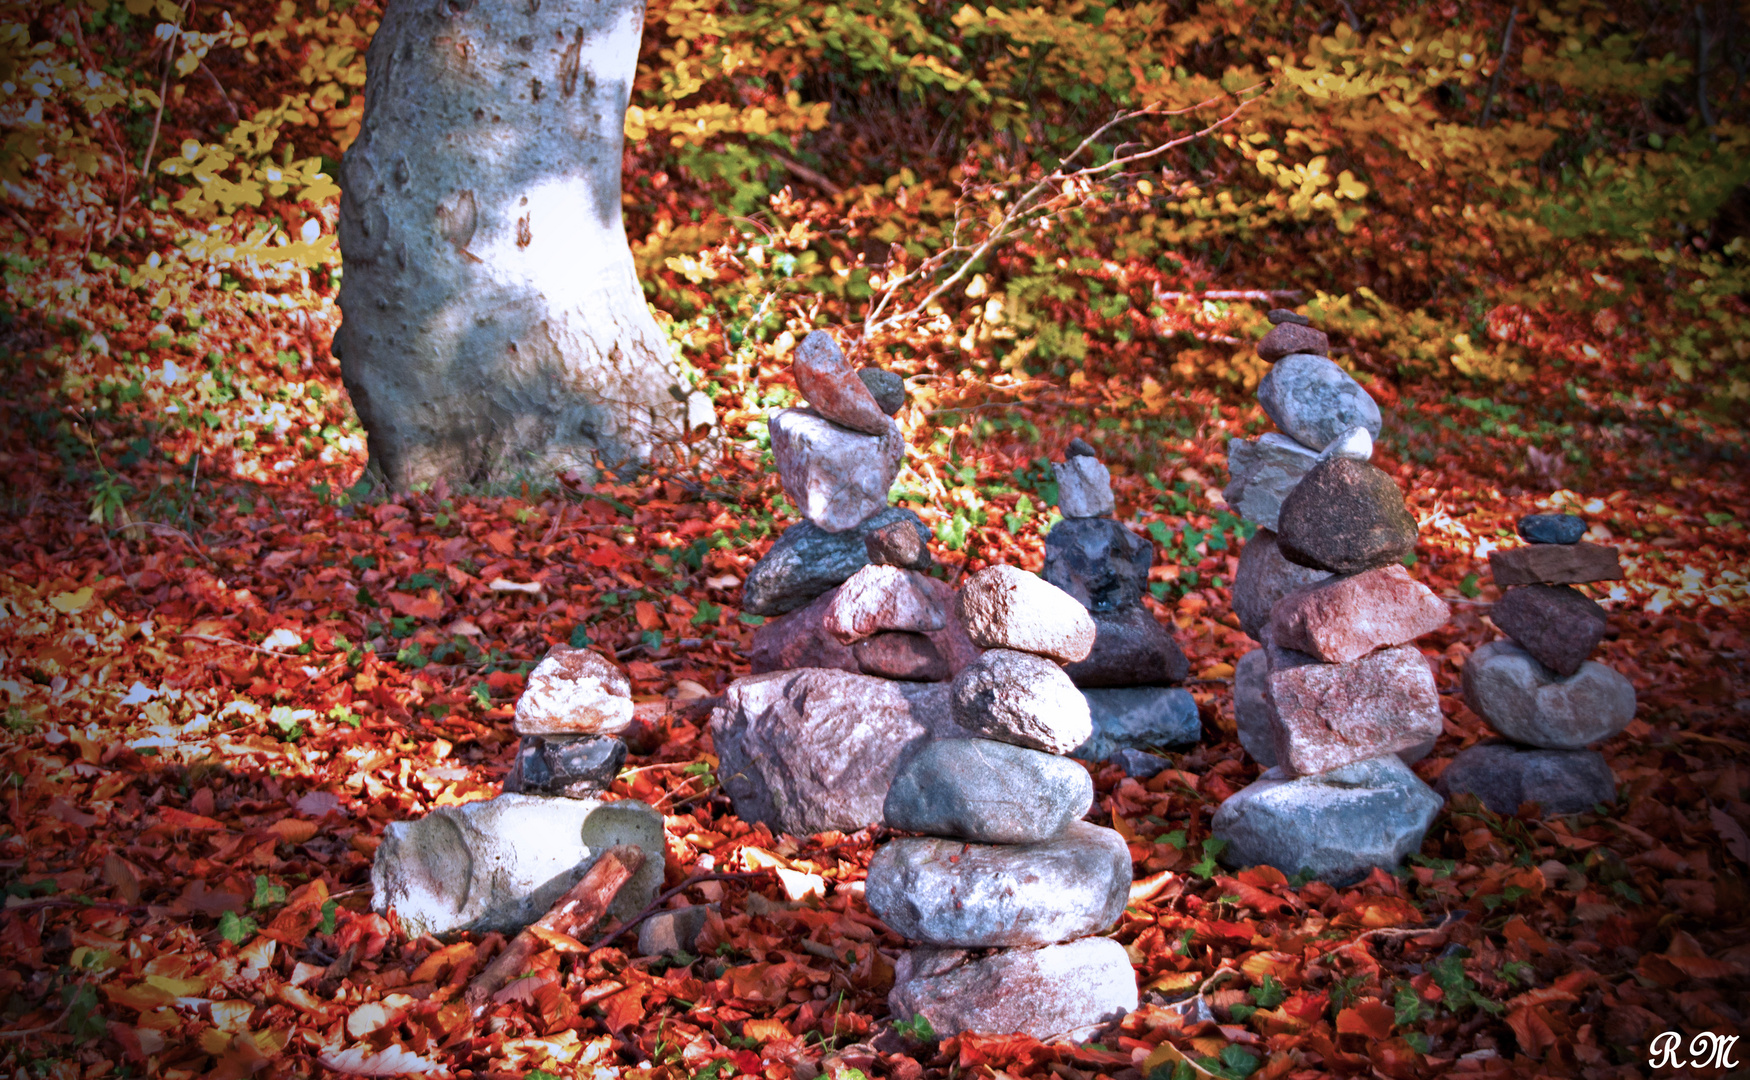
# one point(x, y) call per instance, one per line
point(833, 388)
point(1329, 715)
point(1344, 618)
point(573, 766)
point(1138, 717)
point(1131, 648)
point(1059, 992)
point(1005, 607)
point(838, 478)
point(900, 654)
point(1021, 698)
point(1551, 528)
point(1555, 564)
point(807, 561)
point(1503, 776)
point(1289, 338)
point(988, 792)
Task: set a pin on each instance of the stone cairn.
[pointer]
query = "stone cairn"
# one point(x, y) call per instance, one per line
point(1338, 701)
point(1536, 686)
point(1005, 862)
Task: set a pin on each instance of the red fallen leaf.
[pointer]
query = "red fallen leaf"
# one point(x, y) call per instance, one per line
point(502, 542)
point(1379, 912)
point(1370, 1018)
point(1222, 928)
point(606, 557)
point(1517, 930)
point(1261, 877)
point(1731, 832)
point(1531, 1028)
point(429, 606)
point(624, 1009)
point(182, 819)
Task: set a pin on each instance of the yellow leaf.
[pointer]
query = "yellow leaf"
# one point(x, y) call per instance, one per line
point(68, 603)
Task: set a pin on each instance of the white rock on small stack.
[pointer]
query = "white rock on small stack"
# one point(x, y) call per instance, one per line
point(878, 598)
point(1084, 487)
point(574, 692)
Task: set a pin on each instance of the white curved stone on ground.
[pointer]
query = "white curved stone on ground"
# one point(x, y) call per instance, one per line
point(1062, 991)
point(1529, 703)
point(880, 598)
point(1005, 607)
point(574, 692)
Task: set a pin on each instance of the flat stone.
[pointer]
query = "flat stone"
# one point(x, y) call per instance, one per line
point(807, 561)
point(1502, 776)
point(838, 478)
point(1138, 717)
point(950, 892)
point(898, 543)
point(1254, 716)
point(878, 598)
point(1313, 400)
point(1021, 698)
point(1079, 448)
point(1529, 703)
point(573, 766)
point(799, 640)
point(1084, 487)
point(499, 864)
point(828, 383)
point(1345, 516)
point(1005, 607)
point(1346, 617)
point(988, 792)
point(1551, 528)
point(1278, 316)
point(574, 692)
point(1263, 472)
point(1555, 564)
point(1264, 577)
point(672, 930)
point(899, 654)
point(1059, 992)
point(886, 387)
point(1131, 648)
point(1330, 715)
point(812, 750)
point(1289, 338)
point(1557, 624)
point(1338, 825)
point(1098, 561)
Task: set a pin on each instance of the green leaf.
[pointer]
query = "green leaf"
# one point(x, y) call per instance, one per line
point(1269, 993)
point(267, 893)
point(234, 927)
point(1469, 586)
point(580, 639)
point(330, 909)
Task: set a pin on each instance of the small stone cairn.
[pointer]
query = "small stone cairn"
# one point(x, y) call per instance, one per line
point(1338, 700)
point(1536, 686)
point(1130, 678)
point(1004, 862)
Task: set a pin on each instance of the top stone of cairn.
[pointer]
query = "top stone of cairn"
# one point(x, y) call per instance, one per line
point(1084, 487)
point(1551, 528)
point(1278, 316)
point(1289, 338)
point(834, 389)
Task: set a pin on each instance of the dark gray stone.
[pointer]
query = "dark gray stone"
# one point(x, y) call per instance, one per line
point(1345, 516)
point(807, 561)
point(1551, 528)
point(888, 388)
point(1264, 577)
point(575, 766)
point(1557, 624)
point(1278, 316)
point(987, 792)
point(1098, 561)
point(1020, 698)
point(1313, 400)
point(1502, 776)
point(672, 930)
point(1059, 992)
point(1078, 448)
point(1254, 715)
point(1131, 648)
point(1137, 764)
point(1139, 717)
point(901, 654)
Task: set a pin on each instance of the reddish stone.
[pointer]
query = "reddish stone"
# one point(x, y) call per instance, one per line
point(880, 598)
point(1557, 624)
point(833, 387)
point(1555, 564)
point(800, 640)
point(1289, 338)
point(1342, 618)
point(901, 654)
point(1331, 715)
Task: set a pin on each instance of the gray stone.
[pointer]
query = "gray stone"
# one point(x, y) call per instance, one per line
point(1023, 699)
point(1339, 824)
point(1557, 624)
point(1529, 703)
point(1137, 764)
point(1140, 717)
point(1059, 992)
point(1551, 528)
point(1098, 561)
point(900, 654)
point(1079, 448)
point(1254, 716)
point(799, 640)
point(878, 598)
point(573, 766)
point(1289, 338)
point(574, 692)
point(1313, 400)
point(950, 892)
point(1131, 648)
point(807, 561)
point(838, 478)
point(1345, 516)
point(1263, 472)
point(987, 792)
point(1005, 607)
point(1326, 716)
point(1084, 487)
point(887, 387)
point(898, 543)
point(672, 930)
point(499, 864)
point(1278, 316)
point(1502, 776)
point(1264, 577)
point(812, 750)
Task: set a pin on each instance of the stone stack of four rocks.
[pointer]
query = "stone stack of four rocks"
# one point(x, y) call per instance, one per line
point(1536, 685)
point(1004, 861)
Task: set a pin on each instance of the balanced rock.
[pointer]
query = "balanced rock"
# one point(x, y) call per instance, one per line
point(1345, 516)
point(828, 383)
point(807, 561)
point(1313, 400)
point(799, 639)
point(574, 692)
point(1551, 528)
point(499, 864)
point(1005, 607)
point(1529, 703)
point(1059, 992)
point(987, 792)
point(573, 766)
point(898, 543)
point(1288, 338)
point(1555, 564)
point(1264, 577)
point(886, 387)
point(1557, 624)
point(1255, 715)
point(838, 478)
point(1329, 715)
point(1098, 561)
point(878, 598)
point(1355, 443)
point(1278, 316)
point(900, 654)
point(950, 892)
point(1338, 825)
point(1131, 648)
point(1021, 698)
point(1079, 448)
point(1139, 718)
point(1084, 487)
point(1346, 617)
point(1502, 776)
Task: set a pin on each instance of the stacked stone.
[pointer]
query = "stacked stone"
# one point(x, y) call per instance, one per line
point(1004, 861)
point(1339, 697)
point(1130, 678)
point(1536, 686)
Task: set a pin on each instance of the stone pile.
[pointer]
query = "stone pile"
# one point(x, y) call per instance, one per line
point(1004, 861)
point(1536, 686)
point(1338, 700)
point(1130, 677)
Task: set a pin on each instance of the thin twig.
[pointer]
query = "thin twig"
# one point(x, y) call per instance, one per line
point(1500, 66)
point(163, 92)
point(160, 529)
point(50, 1026)
point(218, 86)
point(803, 172)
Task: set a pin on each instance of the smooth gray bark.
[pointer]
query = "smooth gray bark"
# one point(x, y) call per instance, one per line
point(493, 325)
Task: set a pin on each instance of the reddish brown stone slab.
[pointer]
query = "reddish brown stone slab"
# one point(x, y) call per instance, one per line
point(1555, 564)
point(1288, 338)
point(833, 388)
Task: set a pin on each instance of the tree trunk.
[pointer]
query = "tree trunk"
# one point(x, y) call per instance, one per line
point(492, 323)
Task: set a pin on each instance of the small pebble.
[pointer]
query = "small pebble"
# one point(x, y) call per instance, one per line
point(1278, 316)
point(1078, 448)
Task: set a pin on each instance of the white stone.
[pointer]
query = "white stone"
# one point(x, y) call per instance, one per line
point(1005, 607)
point(838, 478)
point(1084, 487)
point(1355, 443)
point(574, 692)
point(880, 598)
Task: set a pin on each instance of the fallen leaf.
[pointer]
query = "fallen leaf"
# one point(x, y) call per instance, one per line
point(395, 1061)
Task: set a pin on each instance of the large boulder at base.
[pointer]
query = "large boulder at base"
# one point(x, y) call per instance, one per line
point(1023, 699)
point(1558, 624)
point(1065, 991)
point(1329, 715)
point(828, 382)
point(1138, 718)
point(1313, 400)
point(1529, 703)
point(1339, 824)
point(812, 750)
point(499, 864)
point(1084, 487)
point(1131, 648)
point(572, 766)
point(950, 892)
point(1345, 516)
point(878, 598)
point(1005, 607)
point(1264, 577)
point(837, 477)
point(807, 561)
point(1098, 561)
point(574, 692)
point(988, 792)
point(1555, 564)
point(1502, 776)
point(1346, 617)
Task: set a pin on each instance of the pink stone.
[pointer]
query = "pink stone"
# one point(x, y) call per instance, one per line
point(880, 598)
point(832, 386)
point(799, 640)
point(1330, 715)
point(1286, 339)
point(1342, 618)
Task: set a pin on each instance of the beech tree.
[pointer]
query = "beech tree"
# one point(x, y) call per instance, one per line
point(492, 321)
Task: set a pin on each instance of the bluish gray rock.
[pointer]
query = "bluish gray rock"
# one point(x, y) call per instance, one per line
point(573, 766)
point(1058, 992)
point(1139, 765)
point(1020, 698)
point(972, 896)
point(987, 792)
point(1529, 703)
point(672, 930)
point(1140, 717)
point(1263, 472)
point(807, 561)
point(1254, 716)
point(1551, 528)
point(1265, 576)
point(1098, 561)
point(888, 388)
point(837, 477)
point(1313, 401)
point(1131, 648)
point(1502, 776)
point(1339, 824)
point(1084, 487)
point(1356, 443)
